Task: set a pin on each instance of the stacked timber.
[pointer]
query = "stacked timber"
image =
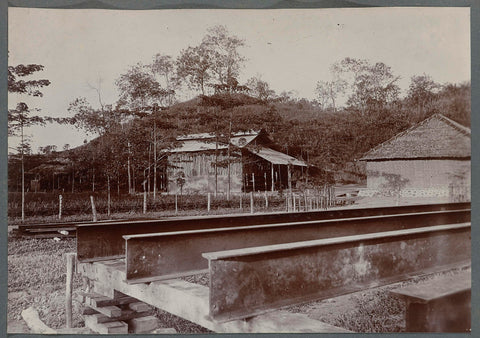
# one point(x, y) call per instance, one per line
point(121, 314)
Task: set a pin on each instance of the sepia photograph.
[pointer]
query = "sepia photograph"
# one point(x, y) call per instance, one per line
point(200, 171)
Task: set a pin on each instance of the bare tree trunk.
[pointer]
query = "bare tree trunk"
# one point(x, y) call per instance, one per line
point(108, 195)
point(148, 168)
point(128, 172)
point(73, 178)
point(216, 160)
point(154, 158)
point(23, 184)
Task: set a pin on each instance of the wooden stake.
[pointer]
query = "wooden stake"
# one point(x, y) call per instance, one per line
point(94, 211)
point(68, 292)
point(266, 200)
point(176, 203)
point(251, 202)
point(208, 202)
point(144, 201)
point(59, 206)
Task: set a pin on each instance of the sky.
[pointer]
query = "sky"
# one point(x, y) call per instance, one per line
point(291, 49)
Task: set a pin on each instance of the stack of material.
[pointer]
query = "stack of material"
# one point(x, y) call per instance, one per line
point(121, 314)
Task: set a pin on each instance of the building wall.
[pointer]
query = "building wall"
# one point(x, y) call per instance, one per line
point(200, 173)
point(417, 177)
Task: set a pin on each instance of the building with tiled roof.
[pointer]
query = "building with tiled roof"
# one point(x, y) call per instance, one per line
point(429, 159)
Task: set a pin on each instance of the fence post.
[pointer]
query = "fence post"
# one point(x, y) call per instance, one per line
point(144, 201)
point(176, 203)
point(94, 211)
point(241, 195)
point(294, 203)
point(266, 200)
point(208, 202)
point(68, 292)
point(251, 202)
point(59, 206)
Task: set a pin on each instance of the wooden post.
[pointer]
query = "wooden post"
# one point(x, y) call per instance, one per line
point(176, 203)
point(68, 292)
point(251, 202)
point(266, 200)
point(144, 201)
point(208, 202)
point(94, 211)
point(253, 181)
point(241, 197)
point(294, 202)
point(59, 206)
point(287, 209)
point(289, 167)
point(305, 199)
point(273, 181)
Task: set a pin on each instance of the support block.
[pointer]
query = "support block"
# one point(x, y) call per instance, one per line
point(139, 307)
point(142, 324)
point(106, 328)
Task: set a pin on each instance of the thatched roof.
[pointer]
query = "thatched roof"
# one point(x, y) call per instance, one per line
point(435, 137)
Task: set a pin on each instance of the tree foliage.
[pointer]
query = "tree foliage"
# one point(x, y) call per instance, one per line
point(139, 89)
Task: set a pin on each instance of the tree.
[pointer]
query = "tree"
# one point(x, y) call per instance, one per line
point(194, 65)
point(260, 89)
point(20, 118)
point(373, 86)
point(139, 89)
point(224, 50)
point(421, 93)
point(329, 90)
point(164, 67)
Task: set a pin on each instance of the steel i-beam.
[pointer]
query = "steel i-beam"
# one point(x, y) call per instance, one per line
point(104, 241)
point(250, 281)
point(160, 256)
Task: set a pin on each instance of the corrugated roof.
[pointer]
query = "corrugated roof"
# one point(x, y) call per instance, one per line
point(276, 157)
point(212, 135)
point(435, 137)
point(196, 145)
point(206, 141)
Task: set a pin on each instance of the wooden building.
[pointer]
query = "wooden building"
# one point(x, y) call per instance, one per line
point(427, 160)
point(247, 161)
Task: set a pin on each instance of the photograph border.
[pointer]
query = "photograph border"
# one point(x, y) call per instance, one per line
point(245, 4)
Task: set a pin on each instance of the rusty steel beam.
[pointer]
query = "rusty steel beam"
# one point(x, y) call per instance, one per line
point(97, 242)
point(160, 256)
point(250, 281)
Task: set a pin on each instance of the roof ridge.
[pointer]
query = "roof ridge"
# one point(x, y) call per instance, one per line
point(461, 128)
